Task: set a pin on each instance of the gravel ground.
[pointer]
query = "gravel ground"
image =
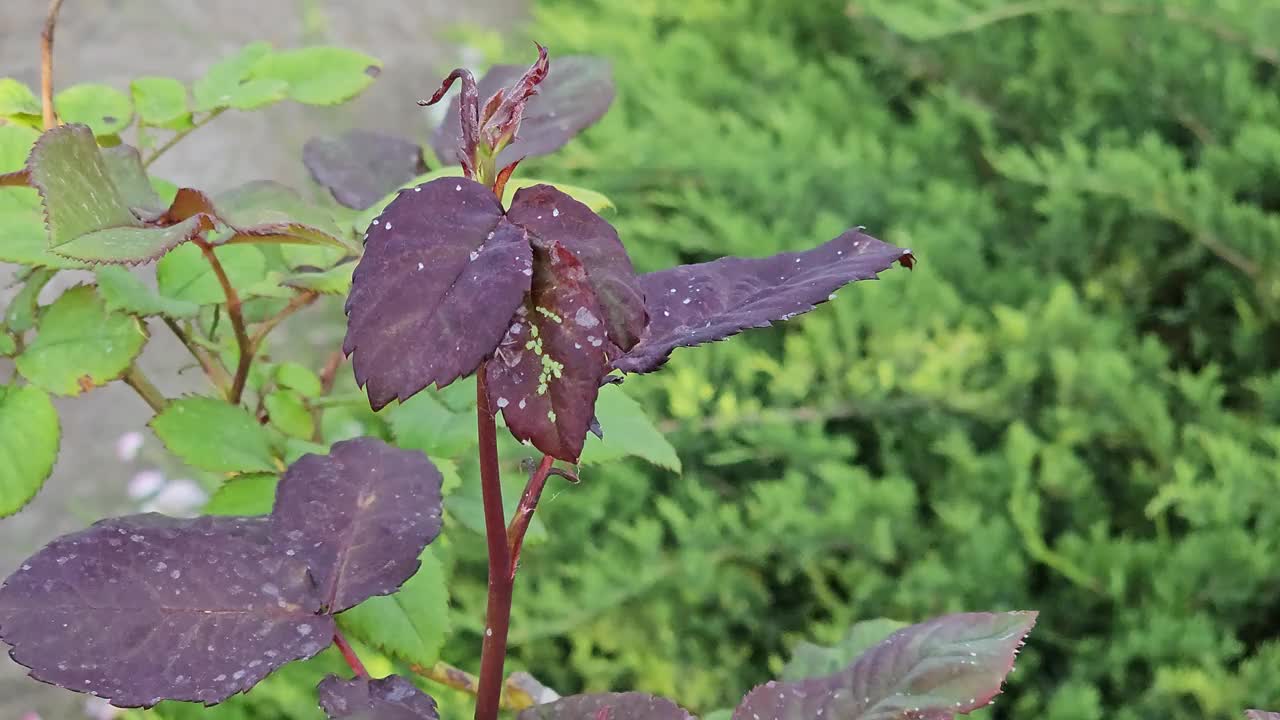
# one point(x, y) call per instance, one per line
point(112, 41)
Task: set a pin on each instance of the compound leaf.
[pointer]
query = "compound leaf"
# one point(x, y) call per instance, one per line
point(160, 101)
point(145, 608)
point(28, 443)
point(214, 435)
point(950, 665)
point(319, 75)
point(389, 698)
point(267, 211)
point(247, 494)
point(132, 244)
point(228, 83)
point(126, 293)
point(628, 431)
point(411, 624)
point(611, 706)
point(75, 185)
point(360, 516)
point(360, 167)
point(80, 344)
point(694, 304)
point(106, 110)
point(576, 93)
point(549, 365)
point(442, 274)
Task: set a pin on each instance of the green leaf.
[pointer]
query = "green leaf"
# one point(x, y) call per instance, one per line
point(319, 75)
point(123, 291)
point(106, 110)
point(28, 444)
point(160, 101)
point(124, 167)
point(267, 211)
point(185, 274)
point(130, 244)
point(809, 660)
point(22, 311)
point(80, 344)
point(410, 625)
point(335, 281)
point(466, 505)
point(249, 494)
point(299, 378)
point(295, 448)
point(15, 145)
point(17, 102)
point(7, 344)
point(228, 84)
point(215, 435)
point(627, 432)
point(290, 414)
point(23, 236)
point(424, 423)
point(75, 185)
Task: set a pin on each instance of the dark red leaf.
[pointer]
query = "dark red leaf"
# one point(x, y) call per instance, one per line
point(547, 213)
point(359, 516)
point(577, 91)
point(547, 371)
point(694, 304)
point(608, 706)
point(442, 274)
point(504, 111)
point(360, 167)
point(950, 665)
point(145, 608)
point(464, 112)
point(390, 698)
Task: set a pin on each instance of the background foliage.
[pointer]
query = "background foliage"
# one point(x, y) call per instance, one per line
point(1072, 404)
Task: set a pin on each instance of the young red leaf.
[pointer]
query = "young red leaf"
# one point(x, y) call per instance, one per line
point(360, 167)
point(465, 110)
point(694, 304)
point(576, 92)
point(950, 665)
point(359, 516)
point(145, 608)
point(608, 706)
point(390, 698)
point(547, 213)
point(547, 371)
point(442, 274)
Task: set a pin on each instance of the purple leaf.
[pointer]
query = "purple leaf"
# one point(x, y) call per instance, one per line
point(551, 215)
point(547, 371)
point(360, 167)
point(608, 706)
point(1261, 715)
point(391, 698)
point(442, 274)
point(694, 304)
point(950, 665)
point(576, 93)
point(359, 516)
point(145, 608)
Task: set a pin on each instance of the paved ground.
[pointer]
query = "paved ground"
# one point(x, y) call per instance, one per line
point(113, 41)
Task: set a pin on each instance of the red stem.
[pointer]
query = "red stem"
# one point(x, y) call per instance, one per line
point(237, 323)
point(524, 513)
point(349, 654)
point(498, 615)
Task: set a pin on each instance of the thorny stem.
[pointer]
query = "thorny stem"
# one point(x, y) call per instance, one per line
point(237, 323)
point(217, 374)
point(134, 378)
point(349, 654)
point(178, 136)
point(524, 512)
point(46, 66)
point(498, 614)
point(298, 302)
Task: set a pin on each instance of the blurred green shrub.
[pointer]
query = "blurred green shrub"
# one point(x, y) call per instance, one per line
point(1072, 405)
